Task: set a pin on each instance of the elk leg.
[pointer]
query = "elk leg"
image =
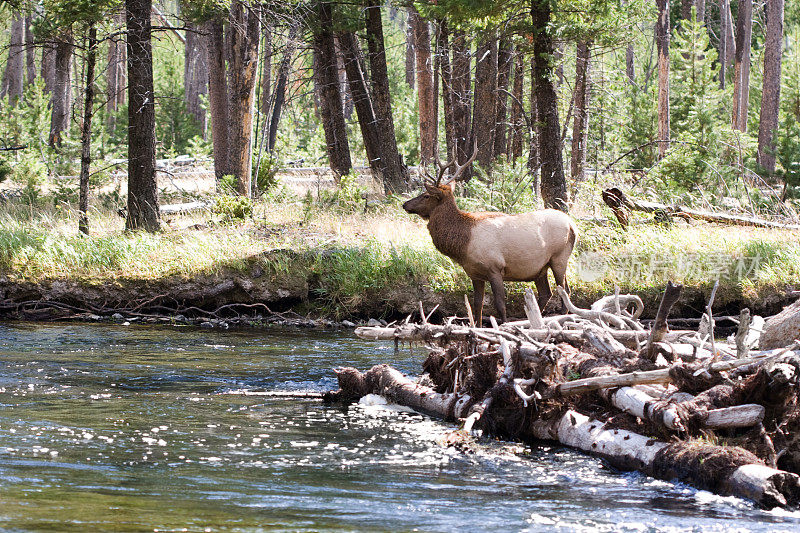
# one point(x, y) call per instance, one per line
point(499, 293)
point(543, 289)
point(479, 288)
point(559, 269)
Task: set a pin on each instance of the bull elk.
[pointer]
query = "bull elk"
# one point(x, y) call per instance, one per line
point(496, 247)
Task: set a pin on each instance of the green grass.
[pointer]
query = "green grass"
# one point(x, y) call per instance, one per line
point(356, 256)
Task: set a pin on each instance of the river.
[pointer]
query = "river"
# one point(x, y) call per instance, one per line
point(132, 428)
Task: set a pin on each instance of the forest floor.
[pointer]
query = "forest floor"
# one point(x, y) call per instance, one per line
point(354, 263)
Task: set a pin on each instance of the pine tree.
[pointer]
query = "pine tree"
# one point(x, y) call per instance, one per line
point(696, 106)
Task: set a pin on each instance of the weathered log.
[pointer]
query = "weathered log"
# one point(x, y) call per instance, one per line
point(671, 295)
point(618, 302)
point(619, 203)
point(783, 328)
point(662, 375)
point(532, 310)
point(724, 470)
point(618, 321)
point(393, 385)
point(431, 333)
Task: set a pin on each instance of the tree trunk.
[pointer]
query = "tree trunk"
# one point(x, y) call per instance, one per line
point(533, 150)
point(662, 43)
point(280, 87)
point(741, 68)
point(462, 96)
point(727, 31)
point(14, 75)
point(514, 150)
point(448, 98)
point(724, 14)
point(243, 71)
point(771, 92)
point(115, 79)
point(395, 174)
point(505, 56)
point(483, 113)
point(700, 5)
point(630, 64)
point(30, 52)
point(86, 132)
point(48, 68)
point(62, 88)
point(195, 74)
point(353, 64)
point(580, 124)
point(326, 75)
point(425, 93)
point(142, 188)
point(218, 97)
point(266, 75)
point(553, 184)
point(411, 54)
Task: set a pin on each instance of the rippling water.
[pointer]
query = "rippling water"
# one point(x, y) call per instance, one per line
point(112, 428)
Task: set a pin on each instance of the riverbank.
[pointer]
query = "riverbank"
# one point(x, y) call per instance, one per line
point(337, 263)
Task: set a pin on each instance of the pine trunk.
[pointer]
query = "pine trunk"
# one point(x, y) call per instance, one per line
point(771, 92)
point(446, 72)
point(483, 113)
point(48, 68)
point(662, 43)
point(462, 96)
point(630, 64)
point(30, 52)
point(115, 78)
point(266, 75)
point(425, 93)
point(244, 41)
point(741, 68)
point(218, 97)
point(14, 75)
point(62, 88)
point(552, 182)
point(326, 75)
point(86, 132)
point(580, 124)
point(280, 87)
point(505, 56)
point(195, 74)
point(354, 68)
point(411, 54)
point(395, 172)
point(517, 118)
point(533, 148)
point(142, 190)
point(724, 40)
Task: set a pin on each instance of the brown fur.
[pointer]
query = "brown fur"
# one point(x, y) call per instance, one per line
point(495, 247)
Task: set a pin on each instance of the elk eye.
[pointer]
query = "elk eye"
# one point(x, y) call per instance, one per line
point(426, 195)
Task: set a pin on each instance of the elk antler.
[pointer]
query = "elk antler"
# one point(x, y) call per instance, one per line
point(459, 168)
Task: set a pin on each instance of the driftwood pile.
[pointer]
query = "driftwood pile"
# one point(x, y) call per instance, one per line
point(677, 405)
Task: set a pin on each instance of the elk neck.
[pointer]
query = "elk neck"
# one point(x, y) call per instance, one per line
point(451, 229)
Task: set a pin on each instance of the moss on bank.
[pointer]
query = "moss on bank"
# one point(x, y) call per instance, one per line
point(328, 262)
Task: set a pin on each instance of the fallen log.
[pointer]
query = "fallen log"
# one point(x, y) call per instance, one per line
point(433, 333)
point(721, 469)
point(659, 328)
point(620, 204)
point(660, 376)
point(783, 328)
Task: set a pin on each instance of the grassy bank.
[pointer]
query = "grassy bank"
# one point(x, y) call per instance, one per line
point(361, 262)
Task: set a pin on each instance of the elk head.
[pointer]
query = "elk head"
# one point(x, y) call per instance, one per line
point(436, 190)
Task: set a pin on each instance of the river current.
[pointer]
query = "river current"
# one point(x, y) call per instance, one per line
point(132, 428)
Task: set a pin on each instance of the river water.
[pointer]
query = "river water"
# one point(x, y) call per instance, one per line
point(130, 428)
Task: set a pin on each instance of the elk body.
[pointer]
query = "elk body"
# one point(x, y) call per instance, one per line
point(497, 247)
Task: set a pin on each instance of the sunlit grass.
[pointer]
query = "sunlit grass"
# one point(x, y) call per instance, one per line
point(355, 255)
